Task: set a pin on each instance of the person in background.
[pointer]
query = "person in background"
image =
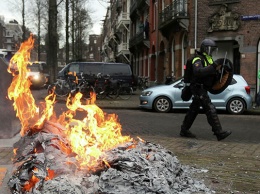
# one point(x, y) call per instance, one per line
point(204, 71)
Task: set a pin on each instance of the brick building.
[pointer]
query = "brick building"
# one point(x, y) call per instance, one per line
point(234, 25)
point(164, 33)
point(94, 48)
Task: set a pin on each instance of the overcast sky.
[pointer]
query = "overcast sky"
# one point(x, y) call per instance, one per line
point(99, 8)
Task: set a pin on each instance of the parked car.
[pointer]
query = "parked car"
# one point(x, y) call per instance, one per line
point(36, 75)
point(163, 98)
point(116, 71)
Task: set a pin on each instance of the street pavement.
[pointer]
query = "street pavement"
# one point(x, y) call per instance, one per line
point(231, 167)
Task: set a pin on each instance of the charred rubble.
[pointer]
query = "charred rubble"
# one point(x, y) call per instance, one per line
point(44, 164)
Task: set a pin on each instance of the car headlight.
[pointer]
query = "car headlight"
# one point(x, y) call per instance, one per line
point(36, 77)
point(146, 93)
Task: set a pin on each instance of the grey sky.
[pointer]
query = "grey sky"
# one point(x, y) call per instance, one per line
point(99, 8)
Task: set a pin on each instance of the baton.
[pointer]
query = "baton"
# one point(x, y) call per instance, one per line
point(222, 70)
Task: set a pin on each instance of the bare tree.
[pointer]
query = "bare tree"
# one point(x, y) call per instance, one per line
point(67, 32)
point(52, 39)
point(80, 24)
point(23, 17)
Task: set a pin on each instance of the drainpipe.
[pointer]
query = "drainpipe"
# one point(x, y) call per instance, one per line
point(157, 39)
point(195, 24)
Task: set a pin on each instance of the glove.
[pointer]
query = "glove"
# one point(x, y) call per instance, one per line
point(217, 66)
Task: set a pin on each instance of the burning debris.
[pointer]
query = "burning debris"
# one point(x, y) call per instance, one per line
point(89, 156)
point(135, 167)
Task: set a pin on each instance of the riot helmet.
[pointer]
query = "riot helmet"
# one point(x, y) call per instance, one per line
point(208, 46)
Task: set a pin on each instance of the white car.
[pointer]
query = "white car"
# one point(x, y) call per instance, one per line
point(36, 76)
point(235, 98)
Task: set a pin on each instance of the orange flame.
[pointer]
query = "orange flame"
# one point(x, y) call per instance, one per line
point(19, 90)
point(89, 138)
point(92, 136)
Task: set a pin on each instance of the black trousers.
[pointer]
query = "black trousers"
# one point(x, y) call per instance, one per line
point(201, 99)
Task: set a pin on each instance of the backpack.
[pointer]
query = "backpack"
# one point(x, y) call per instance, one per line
point(188, 70)
point(186, 93)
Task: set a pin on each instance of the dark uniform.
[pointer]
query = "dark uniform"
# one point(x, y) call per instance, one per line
point(204, 72)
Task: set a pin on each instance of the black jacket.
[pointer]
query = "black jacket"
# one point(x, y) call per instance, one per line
point(204, 73)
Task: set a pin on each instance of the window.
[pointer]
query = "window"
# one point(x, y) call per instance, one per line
point(117, 69)
point(74, 68)
point(92, 68)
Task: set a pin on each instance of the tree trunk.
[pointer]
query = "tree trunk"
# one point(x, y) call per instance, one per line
point(23, 16)
point(67, 32)
point(52, 40)
point(39, 29)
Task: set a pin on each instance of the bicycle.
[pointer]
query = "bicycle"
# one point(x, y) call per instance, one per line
point(103, 87)
point(85, 87)
point(108, 88)
point(142, 82)
point(125, 91)
point(71, 85)
point(60, 88)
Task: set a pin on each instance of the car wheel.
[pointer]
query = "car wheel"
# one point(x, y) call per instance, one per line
point(162, 104)
point(236, 106)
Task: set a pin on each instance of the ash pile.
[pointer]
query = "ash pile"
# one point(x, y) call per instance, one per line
point(45, 164)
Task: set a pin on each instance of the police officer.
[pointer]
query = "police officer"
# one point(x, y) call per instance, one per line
point(204, 72)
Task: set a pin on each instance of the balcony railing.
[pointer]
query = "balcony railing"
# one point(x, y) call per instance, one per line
point(133, 6)
point(137, 39)
point(122, 47)
point(123, 17)
point(177, 9)
point(138, 4)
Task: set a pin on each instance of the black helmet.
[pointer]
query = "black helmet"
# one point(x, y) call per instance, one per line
point(208, 46)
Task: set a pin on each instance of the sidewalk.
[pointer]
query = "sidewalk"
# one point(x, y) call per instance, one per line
point(233, 167)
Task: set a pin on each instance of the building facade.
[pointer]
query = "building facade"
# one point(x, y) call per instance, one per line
point(94, 48)
point(163, 34)
point(234, 25)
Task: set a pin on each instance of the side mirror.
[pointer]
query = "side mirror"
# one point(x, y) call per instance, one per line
point(181, 85)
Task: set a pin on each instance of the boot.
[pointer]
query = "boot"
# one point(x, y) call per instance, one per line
point(222, 134)
point(187, 133)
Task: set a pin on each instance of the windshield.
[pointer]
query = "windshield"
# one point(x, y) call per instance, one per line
point(33, 68)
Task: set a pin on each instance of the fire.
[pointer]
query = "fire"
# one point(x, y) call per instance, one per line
point(19, 90)
point(89, 138)
point(92, 136)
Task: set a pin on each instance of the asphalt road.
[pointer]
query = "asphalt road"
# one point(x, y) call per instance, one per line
point(136, 122)
point(245, 128)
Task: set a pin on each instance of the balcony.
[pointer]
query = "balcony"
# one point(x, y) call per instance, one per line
point(141, 4)
point(118, 5)
point(123, 53)
point(138, 5)
point(123, 48)
point(138, 41)
point(133, 8)
point(174, 16)
point(123, 20)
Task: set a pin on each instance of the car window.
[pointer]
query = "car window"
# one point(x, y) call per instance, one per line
point(33, 68)
point(180, 84)
point(92, 68)
point(117, 69)
point(74, 68)
point(233, 81)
